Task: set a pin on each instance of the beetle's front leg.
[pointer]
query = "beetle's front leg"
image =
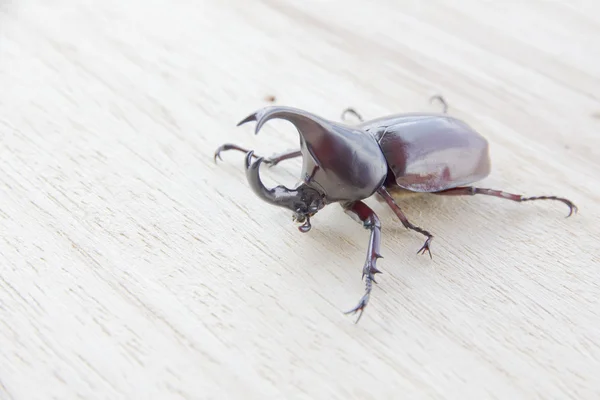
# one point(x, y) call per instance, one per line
point(407, 224)
point(362, 213)
point(271, 161)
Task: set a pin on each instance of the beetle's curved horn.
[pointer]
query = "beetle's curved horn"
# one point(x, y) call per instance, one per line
point(303, 120)
point(313, 129)
point(278, 196)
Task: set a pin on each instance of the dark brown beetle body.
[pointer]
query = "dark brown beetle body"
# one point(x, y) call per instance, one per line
point(409, 153)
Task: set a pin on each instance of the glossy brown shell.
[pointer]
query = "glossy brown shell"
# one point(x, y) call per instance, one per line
point(431, 152)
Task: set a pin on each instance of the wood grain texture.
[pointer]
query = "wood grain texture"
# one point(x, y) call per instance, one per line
point(132, 266)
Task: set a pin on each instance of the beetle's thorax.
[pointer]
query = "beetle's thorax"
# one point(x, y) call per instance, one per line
point(339, 161)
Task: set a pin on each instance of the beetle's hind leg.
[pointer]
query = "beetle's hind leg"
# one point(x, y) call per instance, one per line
point(471, 191)
point(352, 111)
point(271, 161)
point(361, 212)
point(407, 224)
point(438, 98)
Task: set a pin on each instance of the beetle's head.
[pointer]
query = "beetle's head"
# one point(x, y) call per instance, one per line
point(304, 201)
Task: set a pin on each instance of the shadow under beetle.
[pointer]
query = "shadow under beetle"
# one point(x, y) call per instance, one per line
point(398, 154)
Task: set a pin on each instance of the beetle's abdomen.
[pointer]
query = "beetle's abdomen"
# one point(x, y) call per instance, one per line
point(430, 153)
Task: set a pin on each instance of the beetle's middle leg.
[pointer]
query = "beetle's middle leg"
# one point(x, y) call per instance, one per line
point(271, 161)
point(407, 224)
point(370, 221)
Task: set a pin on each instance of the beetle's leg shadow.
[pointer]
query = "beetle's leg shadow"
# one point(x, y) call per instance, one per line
point(363, 213)
point(271, 161)
point(407, 224)
point(471, 191)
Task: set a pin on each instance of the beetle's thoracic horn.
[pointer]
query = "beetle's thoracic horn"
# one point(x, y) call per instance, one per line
point(303, 120)
point(313, 129)
point(278, 196)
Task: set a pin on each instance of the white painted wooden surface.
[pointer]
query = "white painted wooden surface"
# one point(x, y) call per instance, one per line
point(131, 266)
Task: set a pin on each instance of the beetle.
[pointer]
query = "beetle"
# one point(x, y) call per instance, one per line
point(391, 156)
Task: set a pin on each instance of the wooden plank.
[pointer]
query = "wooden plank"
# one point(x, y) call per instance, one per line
point(132, 266)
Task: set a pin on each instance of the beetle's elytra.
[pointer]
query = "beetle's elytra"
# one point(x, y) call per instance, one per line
point(404, 153)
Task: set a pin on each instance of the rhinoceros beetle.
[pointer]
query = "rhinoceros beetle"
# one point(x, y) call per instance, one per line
point(390, 156)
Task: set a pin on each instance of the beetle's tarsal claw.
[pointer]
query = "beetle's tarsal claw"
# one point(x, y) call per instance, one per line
point(223, 148)
point(572, 208)
point(227, 147)
point(369, 271)
point(360, 307)
point(425, 248)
